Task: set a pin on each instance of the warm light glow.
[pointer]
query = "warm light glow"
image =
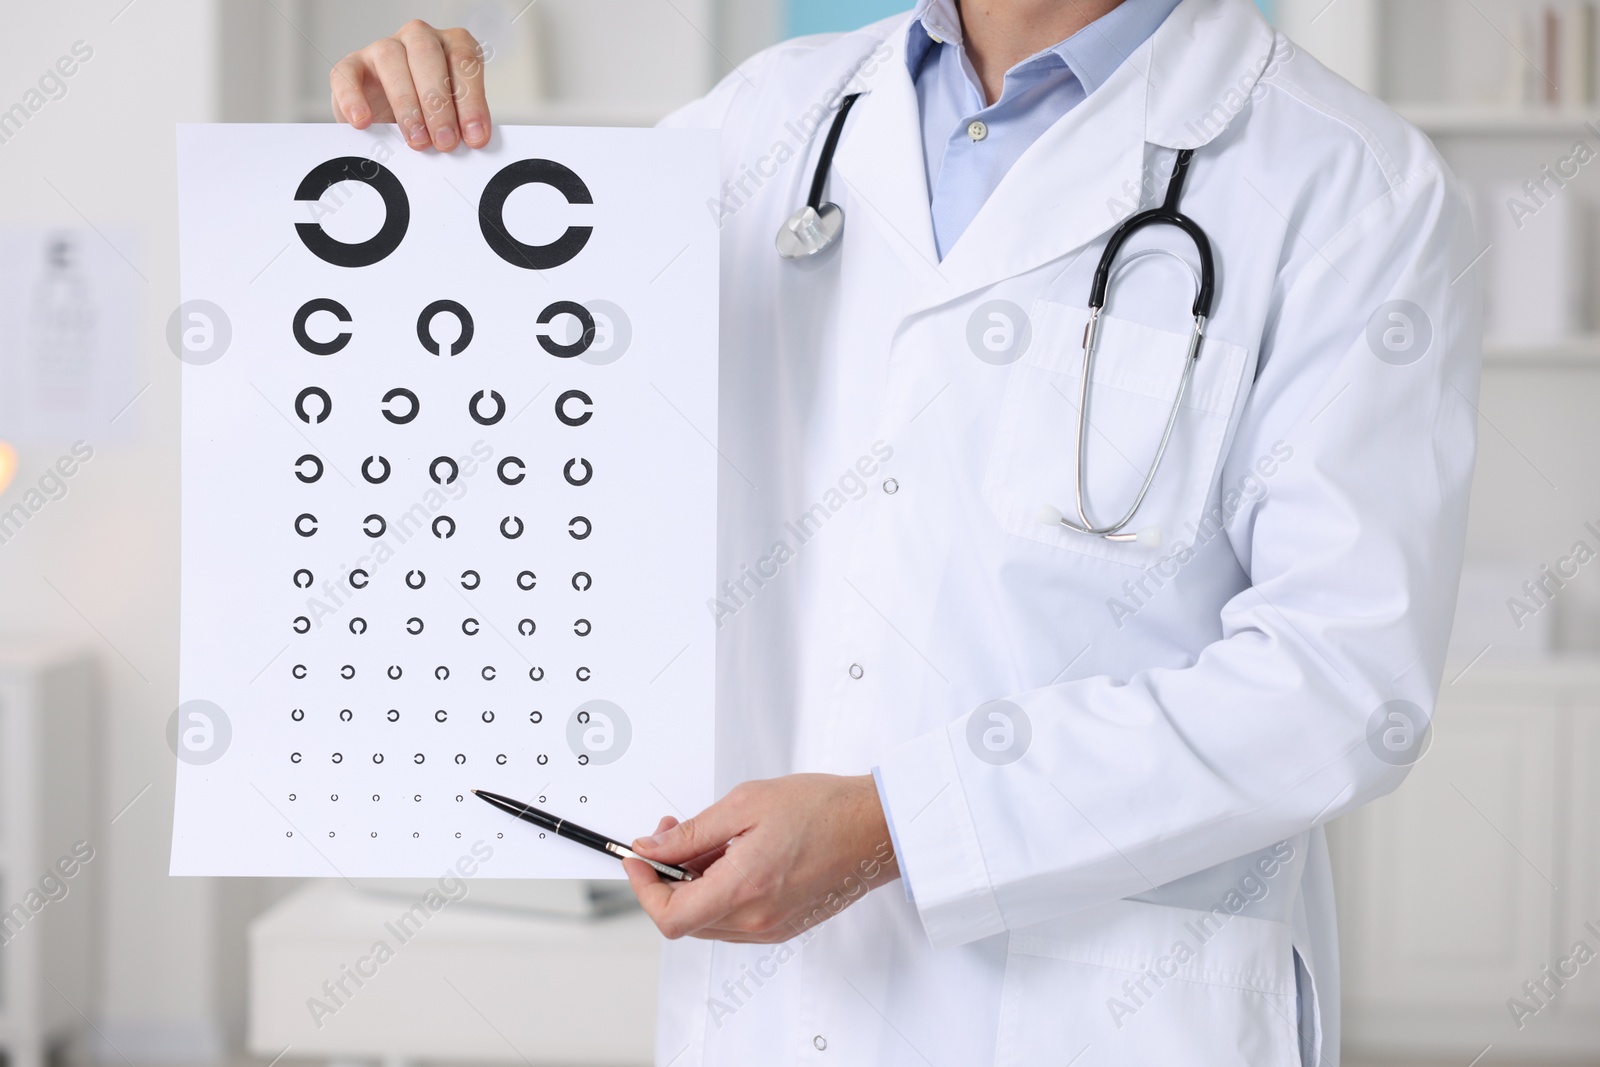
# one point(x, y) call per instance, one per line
point(8, 464)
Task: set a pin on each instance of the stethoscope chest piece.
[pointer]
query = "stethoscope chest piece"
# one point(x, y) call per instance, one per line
point(816, 227)
point(810, 230)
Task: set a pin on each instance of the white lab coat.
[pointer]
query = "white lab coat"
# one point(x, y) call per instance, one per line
point(1136, 887)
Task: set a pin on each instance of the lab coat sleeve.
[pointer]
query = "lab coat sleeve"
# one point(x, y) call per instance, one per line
point(1353, 554)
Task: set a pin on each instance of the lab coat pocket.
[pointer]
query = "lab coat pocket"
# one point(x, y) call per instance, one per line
point(1137, 372)
point(1132, 984)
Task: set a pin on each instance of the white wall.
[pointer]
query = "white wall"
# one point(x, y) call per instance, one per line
point(110, 546)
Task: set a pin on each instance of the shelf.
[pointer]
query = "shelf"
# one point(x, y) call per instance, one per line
point(1486, 120)
point(1579, 351)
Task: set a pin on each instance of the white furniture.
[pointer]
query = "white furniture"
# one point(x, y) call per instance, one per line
point(464, 983)
point(49, 762)
point(1482, 869)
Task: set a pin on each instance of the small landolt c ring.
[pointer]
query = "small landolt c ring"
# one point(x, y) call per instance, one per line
point(444, 519)
point(476, 580)
point(307, 393)
point(366, 471)
point(302, 461)
point(416, 622)
point(366, 525)
point(507, 462)
point(395, 394)
point(425, 326)
point(303, 316)
point(499, 408)
point(433, 471)
point(588, 472)
point(422, 580)
point(505, 532)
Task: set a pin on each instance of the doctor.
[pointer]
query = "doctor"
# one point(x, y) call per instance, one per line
point(1099, 765)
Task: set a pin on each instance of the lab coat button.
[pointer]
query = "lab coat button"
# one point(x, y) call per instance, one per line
point(977, 129)
point(856, 671)
point(891, 486)
point(820, 1043)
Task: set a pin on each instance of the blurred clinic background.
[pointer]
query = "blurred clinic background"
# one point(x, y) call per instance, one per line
point(1463, 895)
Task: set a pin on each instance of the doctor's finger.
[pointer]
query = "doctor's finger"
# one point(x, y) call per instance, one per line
point(465, 58)
point(704, 833)
point(430, 74)
point(357, 97)
point(388, 60)
point(680, 909)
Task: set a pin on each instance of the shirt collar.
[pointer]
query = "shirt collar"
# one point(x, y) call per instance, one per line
point(1092, 54)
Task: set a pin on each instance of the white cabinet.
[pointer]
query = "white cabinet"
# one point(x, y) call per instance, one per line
point(1478, 873)
point(470, 983)
point(50, 847)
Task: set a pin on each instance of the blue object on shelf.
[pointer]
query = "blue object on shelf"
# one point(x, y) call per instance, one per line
point(829, 16)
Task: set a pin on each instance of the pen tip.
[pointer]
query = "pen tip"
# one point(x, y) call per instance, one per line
point(476, 793)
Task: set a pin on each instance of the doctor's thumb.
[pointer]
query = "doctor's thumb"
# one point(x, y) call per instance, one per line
point(678, 842)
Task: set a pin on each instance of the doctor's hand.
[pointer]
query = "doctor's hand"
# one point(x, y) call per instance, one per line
point(774, 859)
point(428, 81)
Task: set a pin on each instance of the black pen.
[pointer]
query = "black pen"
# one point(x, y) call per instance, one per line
point(573, 832)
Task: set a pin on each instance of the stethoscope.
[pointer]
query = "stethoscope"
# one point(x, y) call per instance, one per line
point(817, 226)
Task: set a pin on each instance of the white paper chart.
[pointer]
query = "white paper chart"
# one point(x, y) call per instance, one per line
point(449, 496)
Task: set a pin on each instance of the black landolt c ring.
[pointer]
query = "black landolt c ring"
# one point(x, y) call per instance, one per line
point(487, 420)
point(396, 211)
point(431, 312)
point(310, 308)
point(492, 206)
point(306, 394)
point(395, 394)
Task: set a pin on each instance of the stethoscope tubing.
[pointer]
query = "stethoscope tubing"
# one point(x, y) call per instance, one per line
point(806, 239)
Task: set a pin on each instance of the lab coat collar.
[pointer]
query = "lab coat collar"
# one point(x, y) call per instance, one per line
point(1179, 89)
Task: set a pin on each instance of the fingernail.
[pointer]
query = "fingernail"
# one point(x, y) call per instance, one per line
point(647, 842)
point(417, 135)
point(446, 138)
point(474, 131)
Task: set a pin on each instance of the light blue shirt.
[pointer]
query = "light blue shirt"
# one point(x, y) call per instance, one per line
point(962, 170)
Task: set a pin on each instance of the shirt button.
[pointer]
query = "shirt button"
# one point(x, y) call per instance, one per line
point(820, 1043)
point(891, 486)
point(977, 129)
point(855, 671)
